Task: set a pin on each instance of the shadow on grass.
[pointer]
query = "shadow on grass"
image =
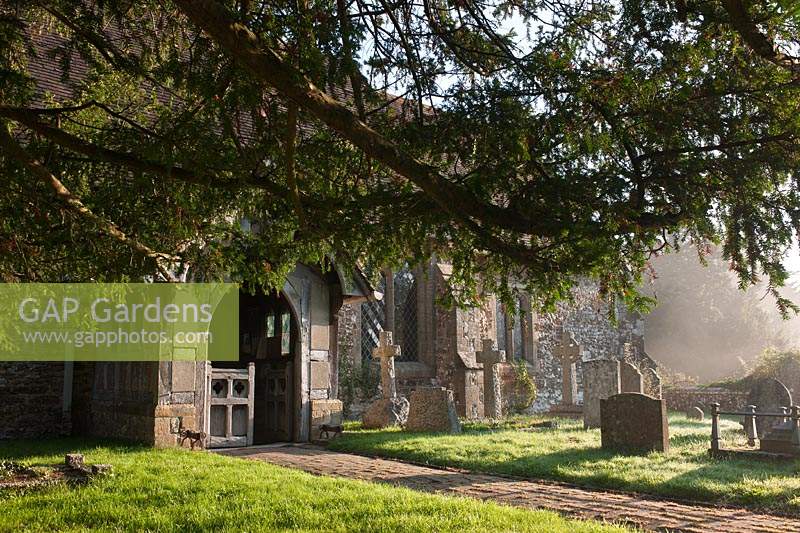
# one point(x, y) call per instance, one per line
point(26, 449)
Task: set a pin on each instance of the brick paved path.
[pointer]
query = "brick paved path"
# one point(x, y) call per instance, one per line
point(650, 514)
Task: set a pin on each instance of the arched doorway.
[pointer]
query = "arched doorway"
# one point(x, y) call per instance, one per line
point(268, 333)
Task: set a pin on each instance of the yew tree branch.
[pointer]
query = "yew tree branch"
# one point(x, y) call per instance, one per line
point(74, 204)
point(269, 67)
point(760, 43)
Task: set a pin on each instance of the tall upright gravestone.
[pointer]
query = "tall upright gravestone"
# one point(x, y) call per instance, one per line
point(600, 380)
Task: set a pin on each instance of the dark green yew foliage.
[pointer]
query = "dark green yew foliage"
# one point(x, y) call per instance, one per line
point(600, 132)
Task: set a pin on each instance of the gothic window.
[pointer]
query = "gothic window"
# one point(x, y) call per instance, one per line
point(270, 325)
point(286, 328)
point(374, 316)
point(504, 327)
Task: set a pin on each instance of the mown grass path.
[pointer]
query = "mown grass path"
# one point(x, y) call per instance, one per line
point(645, 513)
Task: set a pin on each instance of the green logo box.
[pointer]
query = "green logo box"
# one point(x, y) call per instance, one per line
point(119, 321)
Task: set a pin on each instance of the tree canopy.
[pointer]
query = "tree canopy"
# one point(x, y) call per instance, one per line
point(534, 140)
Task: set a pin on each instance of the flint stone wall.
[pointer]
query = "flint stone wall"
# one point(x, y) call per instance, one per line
point(684, 398)
point(587, 318)
point(31, 400)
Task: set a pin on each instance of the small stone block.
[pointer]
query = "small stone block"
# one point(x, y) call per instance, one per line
point(74, 460)
point(101, 470)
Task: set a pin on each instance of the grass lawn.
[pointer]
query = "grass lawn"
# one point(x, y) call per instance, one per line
point(177, 490)
point(573, 454)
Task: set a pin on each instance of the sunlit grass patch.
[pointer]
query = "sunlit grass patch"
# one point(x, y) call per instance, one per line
point(572, 454)
point(178, 490)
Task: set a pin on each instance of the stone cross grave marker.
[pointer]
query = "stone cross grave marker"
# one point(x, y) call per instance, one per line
point(386, 352)
point(488, 355)
point(390, 409)
point(568, 353)
point(492, 389)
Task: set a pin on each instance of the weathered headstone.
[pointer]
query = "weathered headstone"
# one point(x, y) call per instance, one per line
point(630, 378)
point(568, 353)
point(433, 409)
point(695, 413)
point(634, 422)
point(652, 383)
point(390, 409)
point(783, 438)
point(769, 396)
point(600, 381)
point(492, 386)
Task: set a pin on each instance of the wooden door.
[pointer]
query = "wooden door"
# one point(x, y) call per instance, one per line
point(278, 396)
point(230, 402)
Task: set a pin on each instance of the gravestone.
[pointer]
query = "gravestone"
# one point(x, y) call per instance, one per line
point(784, 437)
point(433, 409)
point(492, 385)
point(634, 422)
point(630, 378)
point(768, 395)
point(695, 413)
point(568, 353)
point(390, 409)
point(600, 380)
point(652, 383)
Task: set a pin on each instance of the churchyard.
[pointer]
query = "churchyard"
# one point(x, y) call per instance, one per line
point(437, 229)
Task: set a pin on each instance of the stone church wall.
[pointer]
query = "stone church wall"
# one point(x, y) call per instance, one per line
point(31, 400)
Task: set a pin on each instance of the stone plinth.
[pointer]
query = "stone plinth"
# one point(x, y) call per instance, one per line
point(600, 381)
point(327, 412)
point(433, 409)
point(634, 422)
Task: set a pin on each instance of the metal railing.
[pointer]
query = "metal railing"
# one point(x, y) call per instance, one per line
point(787, 414)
